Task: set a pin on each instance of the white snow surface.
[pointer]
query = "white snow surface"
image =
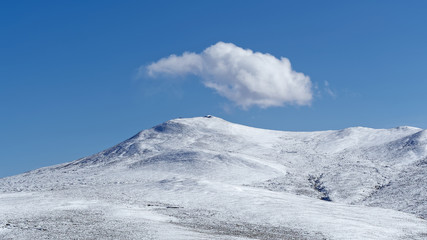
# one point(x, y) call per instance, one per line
point(206, 178)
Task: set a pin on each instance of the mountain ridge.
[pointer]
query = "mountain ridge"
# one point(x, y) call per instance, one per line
point(196, 159)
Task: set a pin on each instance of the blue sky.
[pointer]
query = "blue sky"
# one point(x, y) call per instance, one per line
point(69, 83)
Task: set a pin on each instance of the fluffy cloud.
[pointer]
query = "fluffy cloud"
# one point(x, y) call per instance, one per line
point(245, 77)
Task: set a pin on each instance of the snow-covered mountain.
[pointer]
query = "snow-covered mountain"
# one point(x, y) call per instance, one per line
point(206, 178)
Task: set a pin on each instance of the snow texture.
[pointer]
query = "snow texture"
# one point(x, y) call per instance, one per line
point(206, 178)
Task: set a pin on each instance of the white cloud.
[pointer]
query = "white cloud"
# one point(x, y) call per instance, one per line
point(328, 90)
point(245, 77)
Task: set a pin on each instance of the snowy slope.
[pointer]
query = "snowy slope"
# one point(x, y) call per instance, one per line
point(206, 178)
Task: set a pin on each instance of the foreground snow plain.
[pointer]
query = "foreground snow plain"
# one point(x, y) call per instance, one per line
point(206, 178)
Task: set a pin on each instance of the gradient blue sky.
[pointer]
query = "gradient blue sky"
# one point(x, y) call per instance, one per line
point(68, 85)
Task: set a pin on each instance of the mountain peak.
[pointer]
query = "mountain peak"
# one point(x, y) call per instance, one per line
point(205, 169)
point(177, 125)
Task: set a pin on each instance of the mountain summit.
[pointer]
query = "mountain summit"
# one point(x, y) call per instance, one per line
point(206, 178)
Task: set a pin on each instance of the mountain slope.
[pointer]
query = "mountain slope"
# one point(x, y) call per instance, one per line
point(199, 176)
